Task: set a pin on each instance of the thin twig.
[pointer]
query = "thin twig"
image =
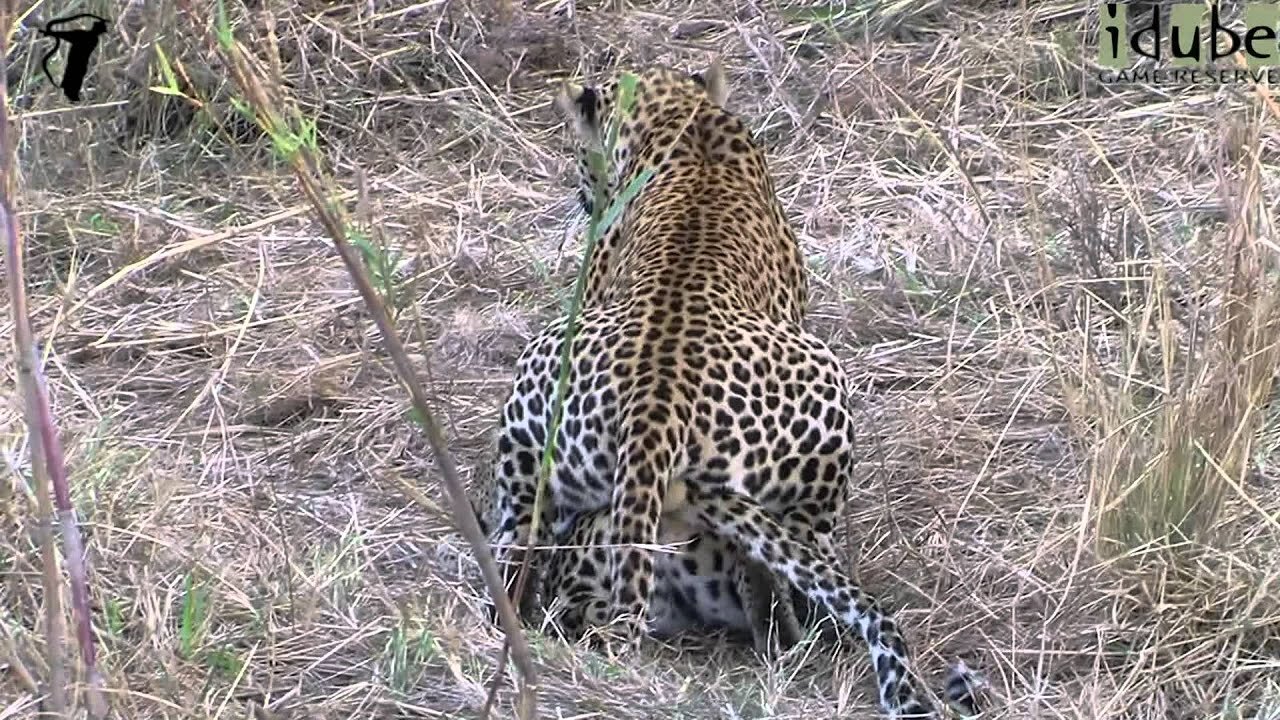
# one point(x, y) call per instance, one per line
point(48, 463)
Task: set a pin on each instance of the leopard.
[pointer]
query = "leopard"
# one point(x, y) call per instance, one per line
point(792, 305)
point(689, 366)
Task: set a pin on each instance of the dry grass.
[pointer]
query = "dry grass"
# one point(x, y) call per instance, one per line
point(1045, 288)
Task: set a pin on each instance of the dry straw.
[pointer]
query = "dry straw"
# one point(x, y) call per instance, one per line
point(1055, 296)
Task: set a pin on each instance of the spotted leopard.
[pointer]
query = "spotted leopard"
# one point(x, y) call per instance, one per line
point(690, 365)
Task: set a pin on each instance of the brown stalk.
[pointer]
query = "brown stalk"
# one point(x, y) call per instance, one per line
point(266, 106)
point(48, 463)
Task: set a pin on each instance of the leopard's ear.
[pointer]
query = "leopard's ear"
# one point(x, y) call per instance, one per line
point(581, 107)
point(714, 82)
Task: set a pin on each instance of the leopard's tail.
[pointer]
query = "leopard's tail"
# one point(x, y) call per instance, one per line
point(745, 524)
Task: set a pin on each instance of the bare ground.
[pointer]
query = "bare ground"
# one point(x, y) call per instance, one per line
point(239, 446)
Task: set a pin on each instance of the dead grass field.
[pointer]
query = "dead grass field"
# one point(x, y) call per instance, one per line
point(992, 233)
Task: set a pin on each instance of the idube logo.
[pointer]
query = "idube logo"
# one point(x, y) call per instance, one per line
point(1186, 44)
